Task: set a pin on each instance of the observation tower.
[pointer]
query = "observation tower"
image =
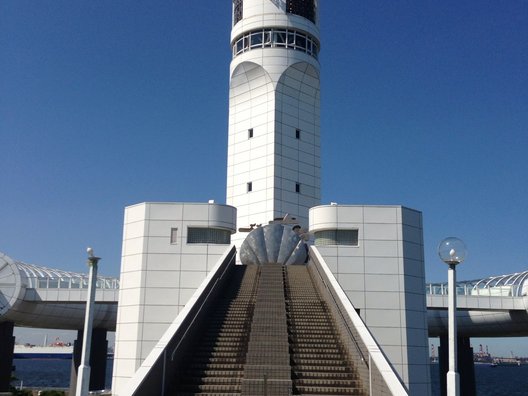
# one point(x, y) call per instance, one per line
point(273, 165)
point(180, 274)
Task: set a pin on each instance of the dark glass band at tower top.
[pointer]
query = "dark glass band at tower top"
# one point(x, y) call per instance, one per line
point(304, 8)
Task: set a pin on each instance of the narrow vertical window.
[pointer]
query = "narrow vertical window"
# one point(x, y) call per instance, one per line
point(304, 8)
point(174, 236)
point(250, 186)
point(297, 187)
point(238, 7)
point(297, 134)
point(250, 133)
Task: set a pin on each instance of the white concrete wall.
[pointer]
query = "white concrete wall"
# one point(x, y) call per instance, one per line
point(158, 277)
point(384, 278)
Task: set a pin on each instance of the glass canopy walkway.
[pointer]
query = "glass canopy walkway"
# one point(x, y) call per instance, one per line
point(512, 285)
point(38, 277)
point(36, 296)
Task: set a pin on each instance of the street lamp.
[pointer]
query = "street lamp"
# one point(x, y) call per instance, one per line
point(452, 251)
point(83, 379)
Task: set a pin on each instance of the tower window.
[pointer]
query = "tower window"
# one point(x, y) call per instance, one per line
point(250, 186)
point(174, 236)
point(297, 187)
point(270, 37)
point(250, 133)
point(297, 134)
point(256, 39)
point(238, 10)
point(304, 8)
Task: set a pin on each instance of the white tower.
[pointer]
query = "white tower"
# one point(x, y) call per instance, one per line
point(273, 164)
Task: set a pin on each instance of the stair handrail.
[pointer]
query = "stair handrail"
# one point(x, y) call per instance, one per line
point(363, 359)
point(375, 355)
point(197, 314)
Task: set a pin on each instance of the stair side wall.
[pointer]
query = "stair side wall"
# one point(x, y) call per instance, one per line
point(160, 271)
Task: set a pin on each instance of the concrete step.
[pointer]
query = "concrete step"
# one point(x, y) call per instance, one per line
point(213, 380)
point(215, 388)
point(311, 368)
point(219, 373)
point(327, 382)
point(317, 350)
point(205, 366)
point(202, 354)
point(343, 375)
point(316, 390)
point(319, 362)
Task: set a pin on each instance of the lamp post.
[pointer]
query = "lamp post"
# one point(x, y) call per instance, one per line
point(83, 379)
point(452, 251)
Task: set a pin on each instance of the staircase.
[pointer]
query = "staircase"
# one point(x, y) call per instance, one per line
point(270, 334)
point(216, 363)
point(267, 371)
point(319, 364)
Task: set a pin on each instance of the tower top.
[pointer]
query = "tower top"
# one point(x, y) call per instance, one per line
point(303, 8)
point(291, 24)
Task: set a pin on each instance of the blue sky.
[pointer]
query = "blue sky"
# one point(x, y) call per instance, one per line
point(104, 103)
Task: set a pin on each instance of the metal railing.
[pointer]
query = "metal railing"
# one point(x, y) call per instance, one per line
point(468, 289)
point(75, 283)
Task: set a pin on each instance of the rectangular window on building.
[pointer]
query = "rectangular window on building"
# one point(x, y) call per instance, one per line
point(279, 38)
point(297, 134)
point(256, 40)
point(174, 236)
point(215, 236)
point(250, 187)
point(300, 42)
point(297, 187)
point(250, 133)
point(337, 237)
point(291, 39)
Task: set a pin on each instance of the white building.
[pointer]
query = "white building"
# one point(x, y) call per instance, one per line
point(273, 170)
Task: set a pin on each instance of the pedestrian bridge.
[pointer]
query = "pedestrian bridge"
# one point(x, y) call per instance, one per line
point(34, 296)
point(492, 307)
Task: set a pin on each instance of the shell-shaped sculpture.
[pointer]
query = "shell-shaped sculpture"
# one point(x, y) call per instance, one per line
point(273, 243)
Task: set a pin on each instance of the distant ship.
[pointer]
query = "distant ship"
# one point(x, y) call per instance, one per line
point(505, 362)
point(57, 350)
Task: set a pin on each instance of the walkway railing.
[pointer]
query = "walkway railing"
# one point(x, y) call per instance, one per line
point(376, 373)
point(469, 289)
point(37, 277)
point(510, 285)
